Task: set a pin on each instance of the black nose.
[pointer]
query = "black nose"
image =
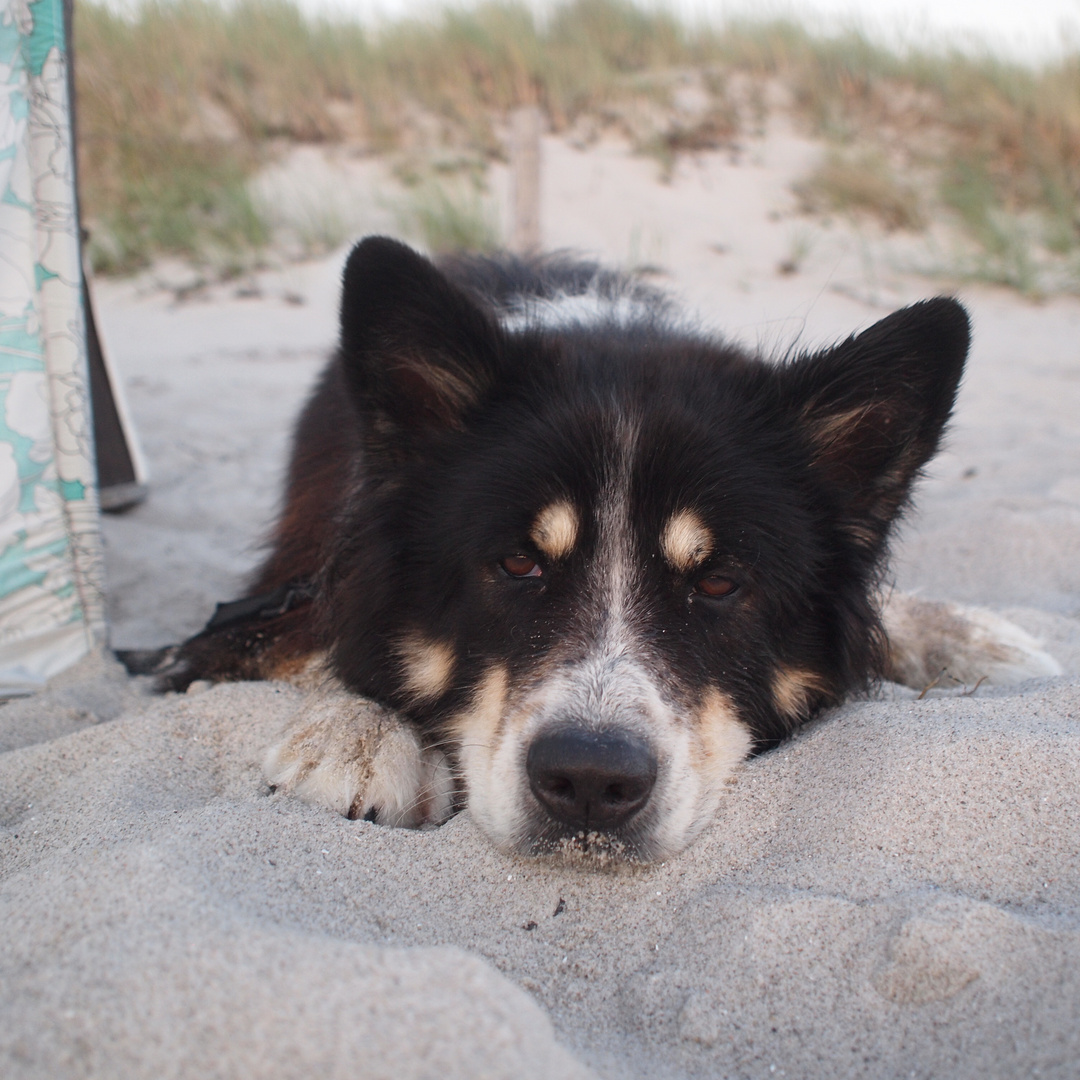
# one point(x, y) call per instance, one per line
point(591, 779)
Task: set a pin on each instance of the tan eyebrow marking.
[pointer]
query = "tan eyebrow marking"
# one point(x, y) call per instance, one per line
point(685, 541)
point(555, 529)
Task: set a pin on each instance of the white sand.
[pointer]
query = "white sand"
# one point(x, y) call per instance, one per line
point(894, 893)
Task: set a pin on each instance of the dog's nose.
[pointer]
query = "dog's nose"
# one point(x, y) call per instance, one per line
point(591, 779)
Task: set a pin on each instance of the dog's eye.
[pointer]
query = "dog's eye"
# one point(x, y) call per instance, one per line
point(520, 566)
point(716, 585)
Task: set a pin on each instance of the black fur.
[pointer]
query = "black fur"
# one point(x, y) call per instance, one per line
point(436, 435)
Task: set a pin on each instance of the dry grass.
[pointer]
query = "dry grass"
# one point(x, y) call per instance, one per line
point(179, 102)
point(861, 182)
point(449, 217)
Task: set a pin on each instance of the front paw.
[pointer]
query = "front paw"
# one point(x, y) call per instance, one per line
point(359, 759)
point(950, 644)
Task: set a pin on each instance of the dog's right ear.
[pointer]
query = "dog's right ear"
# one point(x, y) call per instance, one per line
point(416, 352)
point(873, 409)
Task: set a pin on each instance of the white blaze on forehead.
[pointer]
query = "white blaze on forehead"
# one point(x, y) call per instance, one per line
point(685, 541)
point(580, 309)
point(428, 666)
point(615, 571)
point(555, 529)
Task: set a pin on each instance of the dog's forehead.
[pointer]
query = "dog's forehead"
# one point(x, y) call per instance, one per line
point(667, 477)
point(664, 454)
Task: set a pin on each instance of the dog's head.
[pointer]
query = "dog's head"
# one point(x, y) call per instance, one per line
point(601, 565)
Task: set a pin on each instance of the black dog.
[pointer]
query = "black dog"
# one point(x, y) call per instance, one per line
point(580, 559)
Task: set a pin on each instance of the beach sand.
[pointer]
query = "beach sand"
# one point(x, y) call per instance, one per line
point(893, 893)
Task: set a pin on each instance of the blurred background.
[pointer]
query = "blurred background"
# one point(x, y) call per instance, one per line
point(790, 174)
point(235, 135)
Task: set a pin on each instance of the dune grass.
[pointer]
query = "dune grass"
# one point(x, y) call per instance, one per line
point(447, 218)
point(864, 182)
point(181, 100)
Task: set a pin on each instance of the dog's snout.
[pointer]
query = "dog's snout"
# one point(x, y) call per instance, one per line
point(590, 779)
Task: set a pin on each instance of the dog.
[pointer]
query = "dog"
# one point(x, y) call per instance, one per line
point(549, 552)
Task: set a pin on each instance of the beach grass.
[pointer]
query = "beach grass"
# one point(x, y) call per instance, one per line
point(862, 182)
point(180, 101)
point(447, 217)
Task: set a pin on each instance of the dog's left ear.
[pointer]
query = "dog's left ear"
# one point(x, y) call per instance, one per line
point(416, 351)
point(874, 407)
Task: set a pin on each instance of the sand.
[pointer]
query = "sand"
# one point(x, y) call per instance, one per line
point(893, 893)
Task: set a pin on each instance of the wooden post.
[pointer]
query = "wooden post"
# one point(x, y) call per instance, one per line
point(525, 178)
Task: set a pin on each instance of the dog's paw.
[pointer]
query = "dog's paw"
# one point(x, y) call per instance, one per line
point(934, 644)
point(359, 759)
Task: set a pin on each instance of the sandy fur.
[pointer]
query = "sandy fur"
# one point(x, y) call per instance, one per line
point(357, 758)
point(956, 645)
